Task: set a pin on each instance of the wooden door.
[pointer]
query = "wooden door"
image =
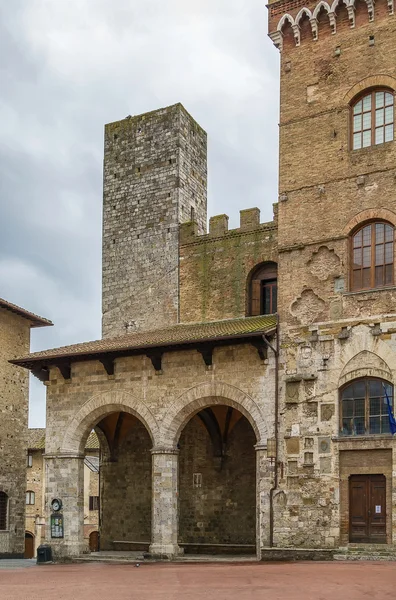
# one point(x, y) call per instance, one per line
point(29, 545)
point(367, 509)
point(94, 541)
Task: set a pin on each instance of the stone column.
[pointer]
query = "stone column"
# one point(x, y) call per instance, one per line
point(64, 478)
point(165, 515)
point(264, 482)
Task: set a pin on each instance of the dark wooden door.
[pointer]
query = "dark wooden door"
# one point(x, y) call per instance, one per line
point(367, 509)
point(29, 545)
point(94, 541)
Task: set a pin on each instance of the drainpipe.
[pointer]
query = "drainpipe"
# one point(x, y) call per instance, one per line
point(275, 350)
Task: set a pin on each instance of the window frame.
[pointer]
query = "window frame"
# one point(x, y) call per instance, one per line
point(4, 506)
point(367, 413)
point(94, 502)
point(373, 285)
point(30, 498)
point(370, 92)
point(263, 275)
point(29, 460)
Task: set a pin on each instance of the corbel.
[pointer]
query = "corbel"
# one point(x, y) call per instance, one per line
point(314, 27)
point(391, 6)
point(277, 39)
point(156, 360)
point(42, 373)
point(206, 351)
point(65, 369)
point(351, 15)
point(296, 33)
point(108, 364)
point(333, 22)
point(261, 348)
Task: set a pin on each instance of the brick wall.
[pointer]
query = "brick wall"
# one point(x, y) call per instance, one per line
point(215, 268)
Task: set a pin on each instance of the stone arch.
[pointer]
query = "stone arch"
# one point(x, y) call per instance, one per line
point(283, 20)
point(209, 394)
point(318, 7)
point(301, 13)
point(380, 80)
point(98, 407)
point(376, 349)
point(370, 214)
point(365, 364)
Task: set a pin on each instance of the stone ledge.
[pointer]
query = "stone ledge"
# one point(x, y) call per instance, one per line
point(293, 554)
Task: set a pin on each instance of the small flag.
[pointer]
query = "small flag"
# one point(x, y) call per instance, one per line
point(392, 420)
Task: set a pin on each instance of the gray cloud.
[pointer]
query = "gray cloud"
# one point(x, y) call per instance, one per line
point(68, 67)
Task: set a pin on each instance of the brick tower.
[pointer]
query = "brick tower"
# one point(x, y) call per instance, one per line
point(155, 177)
point(337, 215)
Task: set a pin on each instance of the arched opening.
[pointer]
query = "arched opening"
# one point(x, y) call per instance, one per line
point(117, 484)
point(323, 22)
point(305, 28)
point(262, 293)
point(217, 483)
point(288, 35)
point(29, 545)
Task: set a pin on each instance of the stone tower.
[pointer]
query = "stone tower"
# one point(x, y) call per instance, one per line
point(330, 55)
point(155, 177)
point(336, 272)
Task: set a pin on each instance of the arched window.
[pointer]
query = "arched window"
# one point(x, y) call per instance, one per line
point(30, 497)
point(3, 511)
point(263, 290)
point(372, 256)
point(364, 407)
point(373, 119)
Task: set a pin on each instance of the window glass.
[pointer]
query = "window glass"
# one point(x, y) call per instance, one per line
point(364, 408)
point(373, 119)
point(372, 256)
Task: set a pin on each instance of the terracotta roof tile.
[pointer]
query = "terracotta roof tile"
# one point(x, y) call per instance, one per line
point(35, 320)
point(170, 336)
point(36, 440)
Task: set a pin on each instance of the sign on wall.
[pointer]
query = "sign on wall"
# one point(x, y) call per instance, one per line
point(57, 526)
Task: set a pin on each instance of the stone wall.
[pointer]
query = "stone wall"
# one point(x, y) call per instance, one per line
point(217, 494)
point(35, 482)
point(14, 341)
point(126, 492)
point(215, 268)
point(154, 178)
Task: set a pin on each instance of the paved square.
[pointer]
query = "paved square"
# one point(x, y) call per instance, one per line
point(307, 581)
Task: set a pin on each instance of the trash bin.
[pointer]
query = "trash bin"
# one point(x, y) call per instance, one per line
point(44, 554)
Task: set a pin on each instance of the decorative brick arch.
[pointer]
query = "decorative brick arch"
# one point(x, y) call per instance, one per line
point(370, 214)
point(379, 80)
point(379, 352)
point(98, 407)
point(209, 394)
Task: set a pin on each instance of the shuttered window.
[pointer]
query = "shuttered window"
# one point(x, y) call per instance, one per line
point(263, 290)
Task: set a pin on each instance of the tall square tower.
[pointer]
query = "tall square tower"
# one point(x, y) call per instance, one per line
point(155, 177)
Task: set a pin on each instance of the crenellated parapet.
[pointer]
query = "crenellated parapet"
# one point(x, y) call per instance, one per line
point(299, 19)
point(218, 226)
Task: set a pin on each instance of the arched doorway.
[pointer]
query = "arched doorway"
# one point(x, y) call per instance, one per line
point(29, 545)
point(124, 499)
point(217, 483)
point(94, 541)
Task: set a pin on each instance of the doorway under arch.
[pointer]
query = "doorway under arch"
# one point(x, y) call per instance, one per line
point(29, 545)
point(217, 483)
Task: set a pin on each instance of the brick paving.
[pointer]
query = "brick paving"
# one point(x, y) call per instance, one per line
point(294, 581)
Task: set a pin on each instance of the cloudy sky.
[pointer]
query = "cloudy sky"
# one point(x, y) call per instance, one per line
point(68, 67)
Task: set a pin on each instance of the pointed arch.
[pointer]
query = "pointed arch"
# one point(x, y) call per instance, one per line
point(318, 8)
point(301, 13)
point(286, 18)
point(365, 364)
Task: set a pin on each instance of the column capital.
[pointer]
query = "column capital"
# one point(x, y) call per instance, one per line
point(165, 450)
point(260, 446)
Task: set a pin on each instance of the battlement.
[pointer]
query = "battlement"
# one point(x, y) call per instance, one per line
point(291, 22)
point(218, 226)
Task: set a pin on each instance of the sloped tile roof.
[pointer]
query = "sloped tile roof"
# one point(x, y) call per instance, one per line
point(176, 335)
point(35, 320)
point(36, 440)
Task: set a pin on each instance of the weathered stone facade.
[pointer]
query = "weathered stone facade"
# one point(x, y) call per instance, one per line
point(15, 324)
point(154, 179)
point(201, 400)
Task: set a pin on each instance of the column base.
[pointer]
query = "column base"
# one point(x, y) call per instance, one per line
point(165, 550)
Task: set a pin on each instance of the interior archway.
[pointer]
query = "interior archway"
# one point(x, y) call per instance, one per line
point(217, 483)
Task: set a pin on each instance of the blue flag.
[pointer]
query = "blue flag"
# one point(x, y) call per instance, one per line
point(392, 420)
